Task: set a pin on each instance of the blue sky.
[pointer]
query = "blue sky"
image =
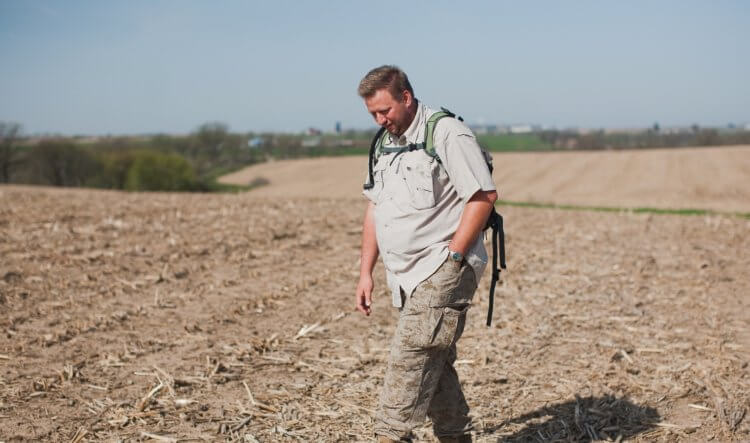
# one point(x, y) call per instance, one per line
point(106, 67)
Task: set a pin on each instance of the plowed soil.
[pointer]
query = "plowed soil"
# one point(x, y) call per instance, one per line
point(189, 317)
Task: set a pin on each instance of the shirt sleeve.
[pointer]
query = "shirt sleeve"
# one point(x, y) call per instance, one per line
point(462, 158)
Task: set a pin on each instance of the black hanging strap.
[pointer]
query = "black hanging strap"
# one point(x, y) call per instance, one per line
point(498, 240)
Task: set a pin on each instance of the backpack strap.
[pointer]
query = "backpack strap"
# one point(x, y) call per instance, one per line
point(429, 132)
point(375, 145)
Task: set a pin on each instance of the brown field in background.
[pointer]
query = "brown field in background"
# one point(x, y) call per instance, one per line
point(205, 317)
point(707, 178)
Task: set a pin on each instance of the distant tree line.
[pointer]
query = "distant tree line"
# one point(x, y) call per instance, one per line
point(652, 138)
point(158, 163)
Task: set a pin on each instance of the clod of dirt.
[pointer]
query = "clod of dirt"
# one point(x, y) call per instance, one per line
point(181, 274)
point(13, 277)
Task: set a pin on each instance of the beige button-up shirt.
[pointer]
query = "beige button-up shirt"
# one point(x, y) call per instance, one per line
point(418, 201)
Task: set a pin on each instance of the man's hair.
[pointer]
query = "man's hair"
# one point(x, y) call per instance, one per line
point(386, 76)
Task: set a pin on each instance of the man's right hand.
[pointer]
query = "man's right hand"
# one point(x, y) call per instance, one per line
point(364, 294)
point(367, 262)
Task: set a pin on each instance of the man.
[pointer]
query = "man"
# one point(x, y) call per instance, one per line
point(424, 218)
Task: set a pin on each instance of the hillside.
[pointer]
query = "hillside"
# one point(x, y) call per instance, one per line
point(709, 178)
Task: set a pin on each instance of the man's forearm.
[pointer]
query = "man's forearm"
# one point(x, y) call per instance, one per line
point(473, 219)
point(369, 242)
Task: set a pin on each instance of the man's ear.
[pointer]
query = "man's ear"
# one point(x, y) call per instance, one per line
point(407, 97)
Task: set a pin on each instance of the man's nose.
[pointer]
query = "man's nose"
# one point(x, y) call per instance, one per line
point(380, 119)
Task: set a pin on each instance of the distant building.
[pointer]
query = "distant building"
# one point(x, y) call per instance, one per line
point(338, 127)
point(521, 129)
point(255, 142)
point(480, 129)
point(311, 142)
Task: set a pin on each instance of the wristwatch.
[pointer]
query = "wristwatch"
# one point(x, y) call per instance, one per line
point(456, 256)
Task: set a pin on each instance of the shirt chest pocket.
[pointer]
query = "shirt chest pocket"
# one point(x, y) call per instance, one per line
point(417, 172)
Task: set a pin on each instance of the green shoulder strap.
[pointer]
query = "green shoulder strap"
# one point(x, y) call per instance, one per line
point(429, 139)
point(379, 144)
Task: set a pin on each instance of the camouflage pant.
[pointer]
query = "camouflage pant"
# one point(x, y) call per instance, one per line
point(420, 379)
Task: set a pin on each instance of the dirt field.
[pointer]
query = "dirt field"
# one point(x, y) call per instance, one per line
point(186, 317)
point(706, 178)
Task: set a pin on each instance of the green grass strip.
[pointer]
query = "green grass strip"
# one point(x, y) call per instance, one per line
point(637, 210)
point(215, 186)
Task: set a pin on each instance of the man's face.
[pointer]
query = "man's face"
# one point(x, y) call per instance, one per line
point(394, 114)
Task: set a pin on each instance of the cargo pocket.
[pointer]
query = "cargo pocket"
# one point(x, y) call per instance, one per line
point(417, 172)
point(450, 325)
point(453, 284)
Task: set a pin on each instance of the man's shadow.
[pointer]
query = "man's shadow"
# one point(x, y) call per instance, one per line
point(581, 420)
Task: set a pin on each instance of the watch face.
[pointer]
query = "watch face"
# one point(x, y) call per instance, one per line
point(456, 256)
